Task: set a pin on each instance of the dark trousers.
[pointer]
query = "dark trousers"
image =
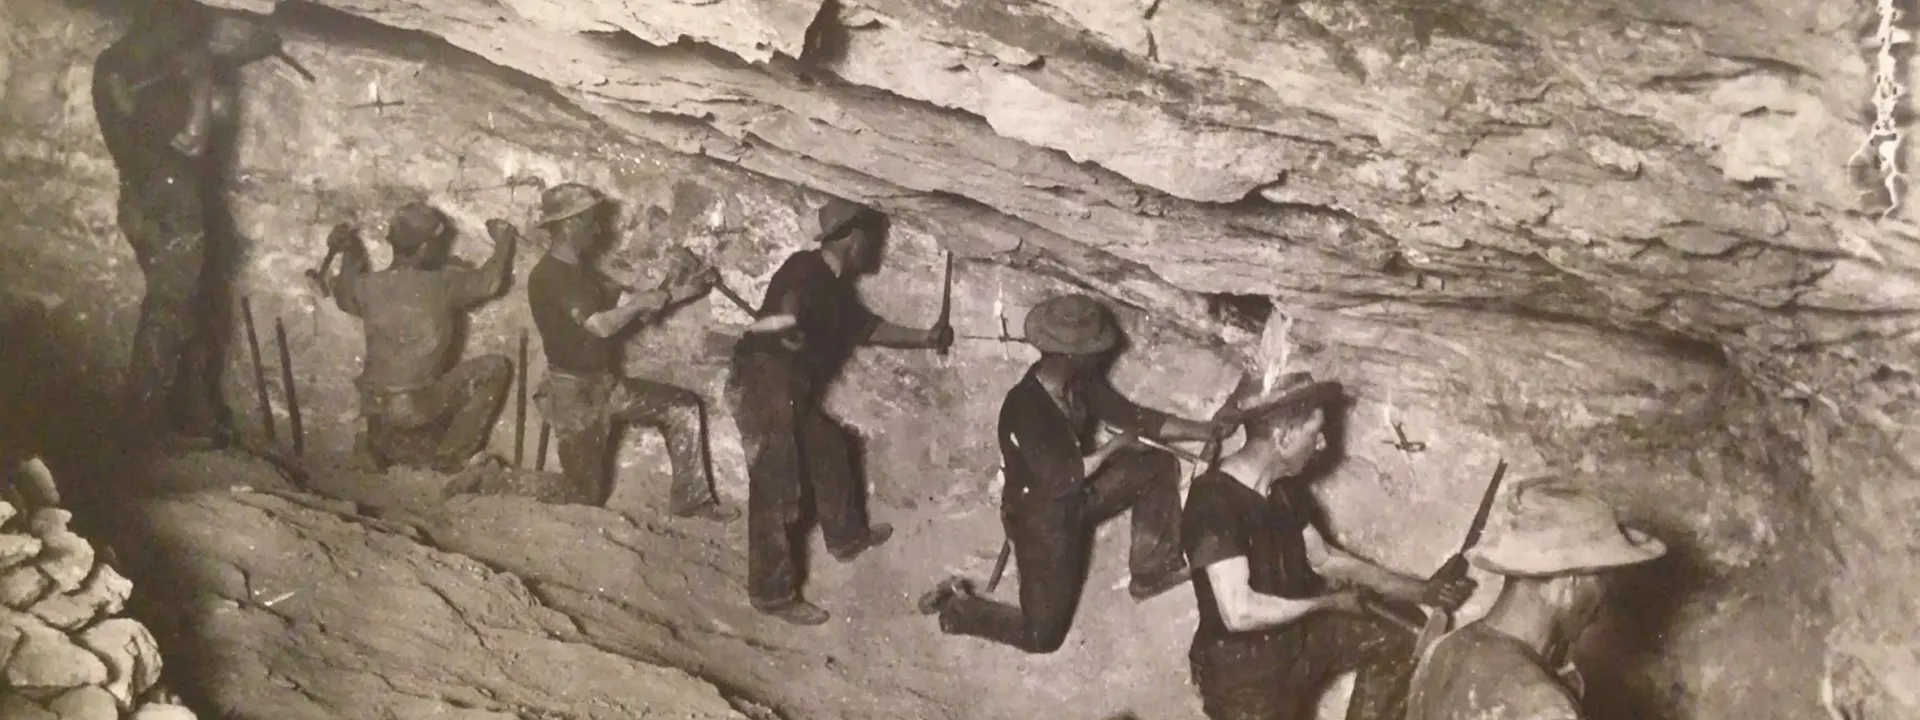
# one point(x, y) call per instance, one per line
point(1053, 540)
point(1280, 674)
point(586, 412)
point(174, 365)
point(441, 424)
point(792, 447)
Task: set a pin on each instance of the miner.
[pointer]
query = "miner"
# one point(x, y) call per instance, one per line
point(421, 408)
point(777, 384)
point(1283, 611)
point(164, 98)
point(1556, 549)
point(583, 319)
point(1059, 487)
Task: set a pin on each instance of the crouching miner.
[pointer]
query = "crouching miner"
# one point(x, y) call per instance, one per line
point(421, 409)
point(1271, 635)
point(777, 385)
point(582, 320)
point(1057, 491)
point(1557, 546)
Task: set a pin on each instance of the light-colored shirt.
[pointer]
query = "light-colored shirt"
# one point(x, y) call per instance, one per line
point(1477, 673)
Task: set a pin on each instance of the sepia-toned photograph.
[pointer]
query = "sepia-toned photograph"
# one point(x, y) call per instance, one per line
point(959, 360)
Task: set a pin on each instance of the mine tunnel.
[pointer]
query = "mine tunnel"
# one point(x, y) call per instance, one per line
point(1657, 257)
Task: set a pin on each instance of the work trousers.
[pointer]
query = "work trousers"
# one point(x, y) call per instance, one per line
point(172, 375)
point(1053, 541)
point(443, 423)
point(586, 410)
point(793, 449)
point(1279, 674)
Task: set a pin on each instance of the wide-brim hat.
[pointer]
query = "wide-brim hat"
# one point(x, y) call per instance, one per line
point(1292, 392)
point(1550, 527)
point(567, 200)
point(1071, 324)
point(838, 215)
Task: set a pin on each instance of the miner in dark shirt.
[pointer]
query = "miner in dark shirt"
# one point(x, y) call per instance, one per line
point(1272, 632)
point(420, 407)
point(164, 98)
point(777, 384)
point(581, 321)
point(1057, 490)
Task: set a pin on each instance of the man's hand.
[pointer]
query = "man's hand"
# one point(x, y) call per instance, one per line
point(344, 238)
point(502, 231)
point(1351, 601)
point(693, 285)
point(1449, 593)
point(939, 337)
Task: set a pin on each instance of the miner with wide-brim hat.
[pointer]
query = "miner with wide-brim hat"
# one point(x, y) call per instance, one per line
point(1059, 486)
point(583, 319)
point(776, 384)
point(164, 96)
point(1556, 545)
point(422, 408)
point(1281, 608)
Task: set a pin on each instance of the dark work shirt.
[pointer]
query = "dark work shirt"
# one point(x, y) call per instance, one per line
point(563, 295)
point(1041, 445)
point(139, 138)
point(828, 312)
point(1225, 519)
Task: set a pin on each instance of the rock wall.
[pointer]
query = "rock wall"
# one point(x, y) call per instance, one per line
point(67, 652)
point(1567, 236)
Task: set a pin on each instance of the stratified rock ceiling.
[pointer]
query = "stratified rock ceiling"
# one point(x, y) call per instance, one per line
point(1689, 168)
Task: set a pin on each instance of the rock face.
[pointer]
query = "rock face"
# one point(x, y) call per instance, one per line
point(1651, 248)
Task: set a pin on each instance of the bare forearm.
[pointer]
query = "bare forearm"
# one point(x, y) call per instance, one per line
point(499, 265)
point(608, 322)
point(1355, 571)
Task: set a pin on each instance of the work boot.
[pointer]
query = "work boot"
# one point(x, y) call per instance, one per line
point(876, 535)
point(797, 612)
point(936, 600)
point(711, 511)
point(1142, 589)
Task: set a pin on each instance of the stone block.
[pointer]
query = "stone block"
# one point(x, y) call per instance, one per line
point(15, 707)
point(23, 585)
point(85, 703)
point(16, 548)
point(162, 711)
point(35, 484)
point(66, 557)
point(7, 512)
point(104, 593)
point(46, 660)
point(131, 655)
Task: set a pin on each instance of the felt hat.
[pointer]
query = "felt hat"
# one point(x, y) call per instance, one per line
point(1071, 324)
point(567, 200)
point(837, 215)
point(1292, 391)
point(1552, 528)
point(414, 224)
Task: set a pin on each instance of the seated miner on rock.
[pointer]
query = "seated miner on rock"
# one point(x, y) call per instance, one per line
point(1556, 547)
point(1058, 487)
point(1272, 631)
point(163, 95)
point(777, 383)
point(421, 408)
point(583, 318)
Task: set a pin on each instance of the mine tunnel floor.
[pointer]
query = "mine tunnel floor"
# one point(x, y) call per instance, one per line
point(368, 595)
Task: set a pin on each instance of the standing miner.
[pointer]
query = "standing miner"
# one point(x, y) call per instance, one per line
point(582, 320)
point(778, 383)
point(1557, 547)
point(1057, 492)
point(1271, 635)
point(421, 408)
point(164, 98)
